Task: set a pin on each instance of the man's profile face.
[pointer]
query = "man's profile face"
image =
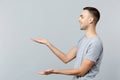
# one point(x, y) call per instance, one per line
point(84, 19)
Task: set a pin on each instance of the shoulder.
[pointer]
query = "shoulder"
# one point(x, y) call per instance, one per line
point(96, 41)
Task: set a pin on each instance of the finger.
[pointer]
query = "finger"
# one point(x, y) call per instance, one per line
point(41, 72)
point(49, 70)
point(35, 40)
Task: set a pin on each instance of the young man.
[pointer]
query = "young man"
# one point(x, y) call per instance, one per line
point(88, 51)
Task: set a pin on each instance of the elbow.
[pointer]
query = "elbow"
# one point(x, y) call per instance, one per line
point(65, 60)
point(81, 74)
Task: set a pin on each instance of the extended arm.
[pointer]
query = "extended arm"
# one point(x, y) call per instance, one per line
point(62, 56)
point(81, 71)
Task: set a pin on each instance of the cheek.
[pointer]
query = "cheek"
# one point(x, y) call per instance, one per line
point(86, 21)
point(82, 20)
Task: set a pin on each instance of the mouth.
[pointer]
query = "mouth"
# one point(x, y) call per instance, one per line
point(80, 23)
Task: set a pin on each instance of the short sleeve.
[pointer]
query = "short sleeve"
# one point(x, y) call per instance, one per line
point(94, 51)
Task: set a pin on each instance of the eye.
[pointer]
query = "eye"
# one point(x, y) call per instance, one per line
point(81, 16)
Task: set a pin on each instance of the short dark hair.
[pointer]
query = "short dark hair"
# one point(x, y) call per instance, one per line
point(94, 12)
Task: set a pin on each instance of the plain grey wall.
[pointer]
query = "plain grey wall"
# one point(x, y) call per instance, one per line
point(56, 20)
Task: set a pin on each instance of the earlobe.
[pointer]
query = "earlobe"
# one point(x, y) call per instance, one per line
point(91, 20)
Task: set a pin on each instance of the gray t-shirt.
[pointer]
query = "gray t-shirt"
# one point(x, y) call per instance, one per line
point(92, 49)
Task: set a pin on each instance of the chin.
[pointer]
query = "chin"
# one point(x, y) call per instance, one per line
point(81, 28)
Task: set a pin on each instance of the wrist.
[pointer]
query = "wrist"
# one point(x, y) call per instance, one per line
point(48, 44)
point(55, 71)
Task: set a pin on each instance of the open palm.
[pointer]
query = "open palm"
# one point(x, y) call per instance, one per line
point(46, 72)
point(41, 40)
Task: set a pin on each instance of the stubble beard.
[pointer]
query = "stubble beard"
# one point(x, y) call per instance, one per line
point(84, 28)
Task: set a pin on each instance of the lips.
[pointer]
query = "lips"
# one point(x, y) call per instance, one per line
point(80, 23)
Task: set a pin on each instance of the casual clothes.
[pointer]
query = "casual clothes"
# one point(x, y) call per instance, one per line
point(92, 49)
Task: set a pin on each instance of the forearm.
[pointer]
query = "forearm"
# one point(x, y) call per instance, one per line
point(64, 57)
point(81, 71)
point(57, 52)
point(74, 72)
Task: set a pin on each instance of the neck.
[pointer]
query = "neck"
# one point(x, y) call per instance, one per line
point(91, 32)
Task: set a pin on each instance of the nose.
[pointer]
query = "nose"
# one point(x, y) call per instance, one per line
point(79, 19)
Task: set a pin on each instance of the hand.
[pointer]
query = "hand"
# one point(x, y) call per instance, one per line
point(46, 72)
point(41, 40)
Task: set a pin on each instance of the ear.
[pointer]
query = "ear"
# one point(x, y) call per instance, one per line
point(91, 20)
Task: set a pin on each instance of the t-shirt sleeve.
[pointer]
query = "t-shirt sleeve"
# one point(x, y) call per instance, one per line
point(94, 51)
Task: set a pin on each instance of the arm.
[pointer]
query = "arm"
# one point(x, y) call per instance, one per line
point(64, 57)
point(81, 71)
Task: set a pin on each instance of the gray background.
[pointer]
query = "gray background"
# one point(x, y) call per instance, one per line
point(56, 20)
